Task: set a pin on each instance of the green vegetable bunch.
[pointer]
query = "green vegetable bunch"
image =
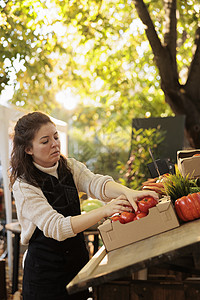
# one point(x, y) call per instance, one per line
point(177, 186)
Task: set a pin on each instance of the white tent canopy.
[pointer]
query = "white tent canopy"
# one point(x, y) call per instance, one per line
point(8, 117)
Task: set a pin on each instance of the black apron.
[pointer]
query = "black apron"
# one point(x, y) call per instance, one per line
point(50, 265)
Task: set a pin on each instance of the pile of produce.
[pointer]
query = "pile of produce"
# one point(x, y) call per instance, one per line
point(144, 204)
point(184, 193)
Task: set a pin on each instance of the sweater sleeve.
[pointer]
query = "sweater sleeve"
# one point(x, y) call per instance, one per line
point(33, 210)
point(88, 182)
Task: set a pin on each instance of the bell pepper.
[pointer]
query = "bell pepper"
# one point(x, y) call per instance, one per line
point(126, 217)
point(145, 203)
point(188, 207)
point(115, 218)
point(140, 215)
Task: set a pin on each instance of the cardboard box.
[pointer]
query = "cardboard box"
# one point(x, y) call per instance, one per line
point(161, 218)
point(188, 164)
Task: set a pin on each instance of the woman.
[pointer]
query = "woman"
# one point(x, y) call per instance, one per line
point(45, 187)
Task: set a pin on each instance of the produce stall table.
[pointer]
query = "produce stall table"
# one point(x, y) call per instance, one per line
point(166, 247)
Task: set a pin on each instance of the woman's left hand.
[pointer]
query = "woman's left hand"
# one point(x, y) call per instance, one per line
point(133, 195)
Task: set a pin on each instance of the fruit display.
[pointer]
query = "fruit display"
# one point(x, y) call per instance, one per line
point(159, 218)
point(184, 192)
point(144, 204)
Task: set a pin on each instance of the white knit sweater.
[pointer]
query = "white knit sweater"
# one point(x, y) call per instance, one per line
point(34, 210)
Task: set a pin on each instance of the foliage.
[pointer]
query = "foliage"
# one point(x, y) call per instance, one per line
point(80, 147)
point(96, 48)
point(135, 171)
point(101, 152)
point(106, 162)
point(28, 41)
point(176, 185)
point(111, 63)
point(108, 64)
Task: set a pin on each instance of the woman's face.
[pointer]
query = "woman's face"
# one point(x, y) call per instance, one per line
point(45, 148)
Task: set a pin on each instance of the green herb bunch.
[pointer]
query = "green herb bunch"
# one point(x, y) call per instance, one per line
point(177, 186)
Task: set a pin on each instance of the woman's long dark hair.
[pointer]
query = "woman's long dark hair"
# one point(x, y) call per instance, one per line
point(24, 133)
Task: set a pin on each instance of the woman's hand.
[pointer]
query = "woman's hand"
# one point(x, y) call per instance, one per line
point(117, 205)
point(132, 196)
point(114, 189)
point(81, 222)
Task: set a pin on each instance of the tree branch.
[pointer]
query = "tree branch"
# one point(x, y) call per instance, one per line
point(170, 33)
point(165, 60)
point(192, 83)
point(149, 27)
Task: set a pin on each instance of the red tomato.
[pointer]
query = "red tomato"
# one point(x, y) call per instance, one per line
point(140, 215)
point(115, 218)
point(145, 203)
point(126, 217)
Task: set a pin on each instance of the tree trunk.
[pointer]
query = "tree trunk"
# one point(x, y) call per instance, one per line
point(183, 99)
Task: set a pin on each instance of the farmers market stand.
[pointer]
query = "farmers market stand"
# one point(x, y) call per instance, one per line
point(178, 248)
